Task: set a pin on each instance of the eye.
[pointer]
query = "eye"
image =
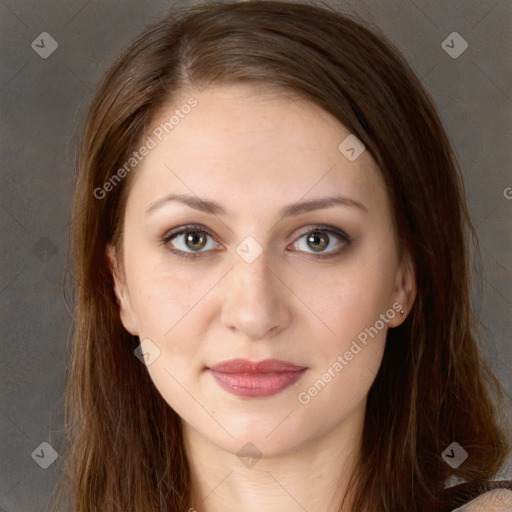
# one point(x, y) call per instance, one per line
point(189, 241)
point(192, 241)
point(320, 238)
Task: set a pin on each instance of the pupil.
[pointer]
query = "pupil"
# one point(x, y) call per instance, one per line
point(316, 238)
point(196, 239)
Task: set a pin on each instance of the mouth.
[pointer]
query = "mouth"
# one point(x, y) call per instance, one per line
point(245, 378)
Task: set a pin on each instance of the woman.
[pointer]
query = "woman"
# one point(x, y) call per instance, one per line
point(271, 249)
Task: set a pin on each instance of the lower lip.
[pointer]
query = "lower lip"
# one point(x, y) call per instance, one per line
point(256, 385)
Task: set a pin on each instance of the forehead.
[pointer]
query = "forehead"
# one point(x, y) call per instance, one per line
point(239, 144)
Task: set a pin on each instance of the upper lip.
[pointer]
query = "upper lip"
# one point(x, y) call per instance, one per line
point(246, 366)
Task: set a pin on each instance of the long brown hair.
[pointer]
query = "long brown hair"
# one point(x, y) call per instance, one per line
point(124, 449)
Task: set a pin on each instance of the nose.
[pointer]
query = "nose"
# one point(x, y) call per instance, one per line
point(256, 303)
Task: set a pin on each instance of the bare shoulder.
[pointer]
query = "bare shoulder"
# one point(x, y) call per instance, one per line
point(498, 500)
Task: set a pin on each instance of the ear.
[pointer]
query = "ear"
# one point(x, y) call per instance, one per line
point(405, 290)
point(121, 291)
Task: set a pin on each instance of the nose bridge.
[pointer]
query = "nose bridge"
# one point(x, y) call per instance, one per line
point(252, 261)
point(253, 277)
point(254, 302)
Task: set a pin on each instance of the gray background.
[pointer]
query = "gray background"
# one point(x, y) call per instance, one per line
point(43, 102)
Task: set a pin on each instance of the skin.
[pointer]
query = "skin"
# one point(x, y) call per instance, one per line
point(255, 153)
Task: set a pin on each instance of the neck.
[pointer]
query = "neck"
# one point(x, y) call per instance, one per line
point(313, 476)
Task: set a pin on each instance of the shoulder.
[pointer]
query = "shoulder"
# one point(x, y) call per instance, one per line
point(497, 500)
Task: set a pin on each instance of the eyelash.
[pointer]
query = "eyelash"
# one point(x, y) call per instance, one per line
point(202, 229)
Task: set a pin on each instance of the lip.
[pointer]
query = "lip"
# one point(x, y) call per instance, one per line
point(245, 378)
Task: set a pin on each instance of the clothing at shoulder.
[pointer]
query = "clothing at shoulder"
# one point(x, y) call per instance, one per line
point(498, 500)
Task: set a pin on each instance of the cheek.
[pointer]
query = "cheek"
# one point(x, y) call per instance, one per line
point(346, 365)
point(339, 384)
point(162, 300)
point(349, 302)
point(349, 298)
point(166, 311)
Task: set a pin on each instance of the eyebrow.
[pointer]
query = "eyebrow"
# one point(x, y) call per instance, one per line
point(215, 208)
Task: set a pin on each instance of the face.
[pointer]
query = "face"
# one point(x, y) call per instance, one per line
point(246, 268)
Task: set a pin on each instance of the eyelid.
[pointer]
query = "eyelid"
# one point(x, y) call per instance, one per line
point(331, 230)
point(187, 227)
point(325, 228)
